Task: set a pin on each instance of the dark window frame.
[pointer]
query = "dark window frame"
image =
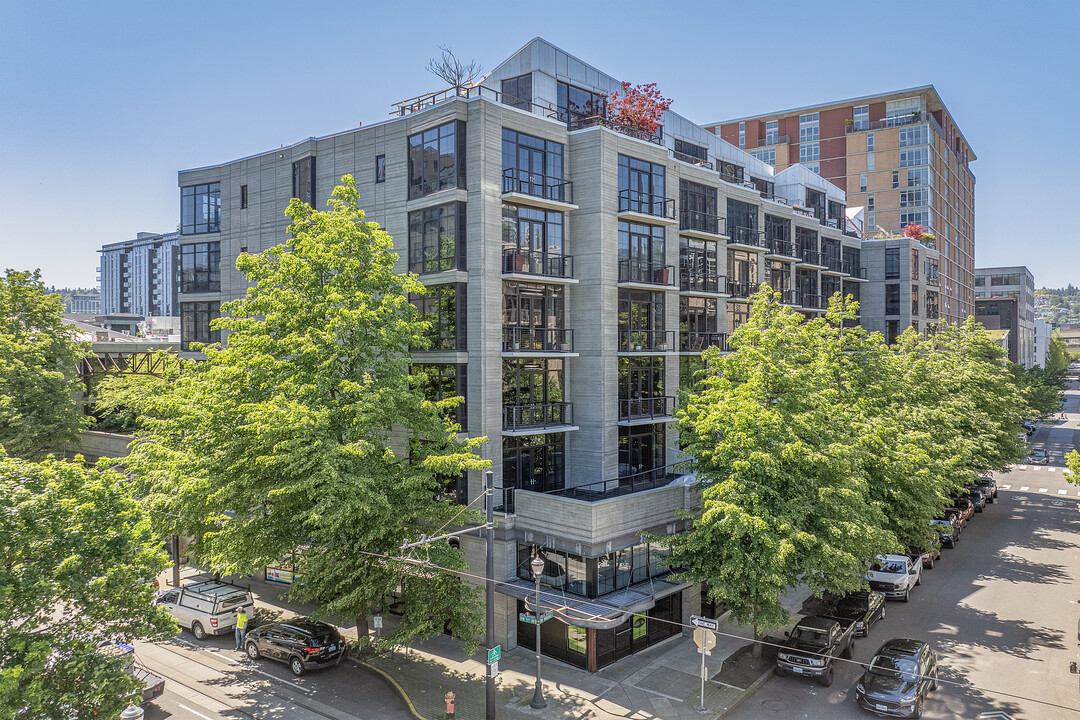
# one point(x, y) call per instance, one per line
point(380, 169)
point(303, 180)
point(243, 197)
point(445, 307)
point(426, 178)
point(425, 257)
point(195, 319)
point(200, 267)
point(205, 197)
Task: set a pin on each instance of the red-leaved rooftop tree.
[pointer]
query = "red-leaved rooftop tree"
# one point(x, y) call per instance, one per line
point(640, 107)
point(914, 230)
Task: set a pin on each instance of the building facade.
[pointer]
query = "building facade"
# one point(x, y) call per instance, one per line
point(576, 269)
point(1043, 331)
point(903, 288)
point(84, 304)
point(900, 157)
point(140, 276)
point(993, 284)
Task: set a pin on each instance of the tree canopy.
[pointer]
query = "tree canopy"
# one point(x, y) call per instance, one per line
point(817, 446)
point(38, 361)
point(305, 440)
point(76, 559)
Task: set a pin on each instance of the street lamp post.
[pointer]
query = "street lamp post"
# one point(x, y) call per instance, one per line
point(537, 567)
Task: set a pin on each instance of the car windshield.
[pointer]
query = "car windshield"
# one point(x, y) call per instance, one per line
point(942, 523)
point(852, 603)
point(890, 566)
point(895, 667)
point(1039, 453)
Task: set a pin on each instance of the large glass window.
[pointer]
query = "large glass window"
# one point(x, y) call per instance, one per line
point(772, 132)
point(200, 209)
point(641, 186)
point(808, 128)
point(641, 450)
point(914, 156)
point(920, 176)
point(533, 166)
point(576, 104)
point(914, 198)
point(693, 153)
point(641, 253)
point(437, 159)
point(530, 310)
point(439, 381)
point(697, 205)
point(892, 263)
point(437, 238)
point(195, 319)
point(765, 155)
point(742, 272)
point(698, 265)
point(779, 278)
point(861, 117)
point(303, 180)
point(778, 234)
point(200, 267)
point(809, 152)
point(641, 388)
point(737, 315)
point(533, 393)
point(699, 323)
point(742, 220)
point(443, 306)
point(912, 135)
point(533, 242)
point(517, 91)
point(537, 463)
point(641, 320)
point(892, 299)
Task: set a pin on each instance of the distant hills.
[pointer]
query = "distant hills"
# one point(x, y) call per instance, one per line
point(1058, 305)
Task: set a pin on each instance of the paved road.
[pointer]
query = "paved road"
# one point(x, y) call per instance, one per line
point(1001, 609)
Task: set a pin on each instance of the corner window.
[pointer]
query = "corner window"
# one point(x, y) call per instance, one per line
point(200, 209)
point(200, 268)
point(442, 381)
point(195, 319)
point(517, 91)
point(575, 104)
point(437, 159)
point(303, 180)
point(380, 169)
point(443, 307)
point(437, 238)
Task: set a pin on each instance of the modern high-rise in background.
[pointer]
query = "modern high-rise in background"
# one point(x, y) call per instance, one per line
point(140, 276)
point(901, 158)
point(1005, 300)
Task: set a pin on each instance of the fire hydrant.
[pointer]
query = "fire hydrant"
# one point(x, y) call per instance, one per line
point(449, 700)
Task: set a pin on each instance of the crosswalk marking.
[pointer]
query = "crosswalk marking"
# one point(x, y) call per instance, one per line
point(1042, 489)
point(1024, 489)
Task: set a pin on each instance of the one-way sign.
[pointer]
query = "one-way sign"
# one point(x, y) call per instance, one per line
point(704, 622)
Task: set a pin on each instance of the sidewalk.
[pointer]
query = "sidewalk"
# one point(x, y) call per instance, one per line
point(660, 683)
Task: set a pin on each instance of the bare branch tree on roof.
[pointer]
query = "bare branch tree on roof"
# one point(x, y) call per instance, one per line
point(452, 70)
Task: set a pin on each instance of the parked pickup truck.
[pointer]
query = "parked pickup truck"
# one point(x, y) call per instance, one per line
point(894, 575)
point(207, 607)
point(814, 644)
point(153, 685)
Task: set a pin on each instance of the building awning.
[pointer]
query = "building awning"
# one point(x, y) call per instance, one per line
point(602, 613)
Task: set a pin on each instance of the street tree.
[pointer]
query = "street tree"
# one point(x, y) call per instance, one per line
point(306, 439)
point(38, 361)
point(76, 556)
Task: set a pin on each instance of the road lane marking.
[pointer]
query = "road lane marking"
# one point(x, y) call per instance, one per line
point(1049, 469)
point(1020, 467)
point(1006, 487)
point(1024, 489)
point(194, 712)
point(1042, 489)
point(1063, 492)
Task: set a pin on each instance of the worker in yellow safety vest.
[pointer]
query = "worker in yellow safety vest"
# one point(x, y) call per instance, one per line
point(241, 623)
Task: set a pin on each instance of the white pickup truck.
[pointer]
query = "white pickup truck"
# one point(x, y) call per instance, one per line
point(207, 607)
point(894, 575)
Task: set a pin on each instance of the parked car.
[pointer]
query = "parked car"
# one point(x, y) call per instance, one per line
point(948, 530)
point(207, 607)
point(989, 483)
point(964, 505)
point(813, 645)
point(898, 679)
point(977, 498)
point(303, 645)
point(1038, 457)
point(153, 684)
point(961, 518)
point(927, 555)
point(894, 575)
point(1028, 426)
point(863, 607)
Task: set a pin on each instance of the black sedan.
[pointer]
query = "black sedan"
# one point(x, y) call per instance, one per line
point(898, 679)
point(303, 645)
point(863, 607)
point(948, 530)
point(977, 498)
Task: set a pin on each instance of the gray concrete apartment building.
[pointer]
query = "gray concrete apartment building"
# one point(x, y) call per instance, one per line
point(575, 267)
point(141, 276)
point(993, 287)
point(903, 286)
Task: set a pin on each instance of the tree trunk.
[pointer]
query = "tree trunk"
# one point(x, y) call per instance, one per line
point(362, 630)
point(757, 645)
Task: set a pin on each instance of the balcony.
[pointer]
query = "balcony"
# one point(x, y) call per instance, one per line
point(537, 418)
point(683, 157)
point(700, 224)
point(645, 409)
point(898, 120)
point(741, 289)
point(538, 190)
point(745, 238)
point(537, 263)
point(811, 301)
point(642, 272)
point(787, 297)
point(815, 258)
point(698, 281)
point(617, 487)
point(646, 341)
point(780, 248)
point(769, 140)
point(580, 122)
point(852, 269)
point(694, 341)
point(537, 341)
point(833, 266)
point(830, 222)
point(646, 207)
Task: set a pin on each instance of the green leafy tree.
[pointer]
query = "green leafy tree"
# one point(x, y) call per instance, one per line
point(76, 552)
point(117, 398)
point(38, 361)
point(1057, 359)
point(305, 437)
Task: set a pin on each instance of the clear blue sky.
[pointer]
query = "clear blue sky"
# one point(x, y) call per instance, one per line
point(102, 102)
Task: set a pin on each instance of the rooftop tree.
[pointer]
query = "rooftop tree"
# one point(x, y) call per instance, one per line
point(305, 438)
point(638, 106)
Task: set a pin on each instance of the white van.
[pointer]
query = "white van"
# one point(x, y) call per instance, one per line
point(894, 575)
point(207, 607)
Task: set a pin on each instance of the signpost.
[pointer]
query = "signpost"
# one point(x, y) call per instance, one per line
point(494, 654)
point(705, 639)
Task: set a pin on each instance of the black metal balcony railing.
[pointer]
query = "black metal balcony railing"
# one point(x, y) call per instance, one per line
point(853, 269)
point(699, 341)
point(646, 204)
point(780, 247)
point(830, 222)
point(811, 301)
point(537, 416)
point(698, 281)
point(733, 179)
point(774, 140)
point(534, 339)
point(863, 126)
point(741, 289)
point(623, 485)
point(642, 271)
point(646, 340)
point(504, 500)
point(683, 157)
point(537, 262)
point(577, 121)
point(834, 264)
point(812, 257)
point(541, 186)
point(646, 407)
point(745, 236)
point(701, 221)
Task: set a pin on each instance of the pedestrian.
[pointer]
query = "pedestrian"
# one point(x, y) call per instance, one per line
point(241, 623)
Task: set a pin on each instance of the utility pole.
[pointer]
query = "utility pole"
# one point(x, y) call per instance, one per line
point(489, 593)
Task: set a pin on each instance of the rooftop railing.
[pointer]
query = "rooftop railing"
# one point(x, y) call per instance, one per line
point(625, 485)
point(691, 159)
point(577, 121)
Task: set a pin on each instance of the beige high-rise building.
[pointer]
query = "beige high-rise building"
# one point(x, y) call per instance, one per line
point(900, 156)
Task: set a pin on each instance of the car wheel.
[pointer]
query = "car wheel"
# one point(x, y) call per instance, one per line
point(907, 595)
point(779, 671)
point(917, 712)
point(198, 631)
point(882, 615)
point(825, 679)
point(252, 650)
point(297, 666)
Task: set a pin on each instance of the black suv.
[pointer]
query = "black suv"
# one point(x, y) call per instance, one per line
point(898, 679)
point(303, 644)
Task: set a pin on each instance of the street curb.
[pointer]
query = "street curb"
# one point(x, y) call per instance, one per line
point(754, 686)
point(397, 687)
